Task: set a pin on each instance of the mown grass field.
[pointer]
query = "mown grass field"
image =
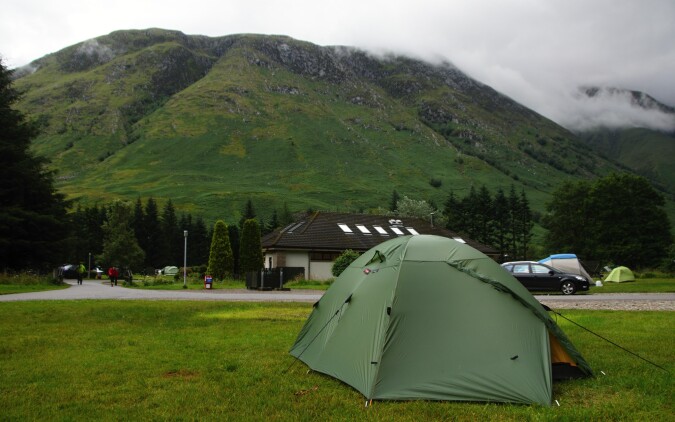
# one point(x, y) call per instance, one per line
point(138, 360)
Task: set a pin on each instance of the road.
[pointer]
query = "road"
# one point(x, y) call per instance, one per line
point(97, 289)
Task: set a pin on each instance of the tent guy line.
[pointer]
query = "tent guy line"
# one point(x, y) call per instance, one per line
point(604, 338)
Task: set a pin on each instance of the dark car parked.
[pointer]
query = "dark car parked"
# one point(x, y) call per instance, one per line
point(540, 277)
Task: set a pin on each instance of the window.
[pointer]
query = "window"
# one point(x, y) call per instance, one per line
point(363, 229)
point(345, 228)
point(521, 268)
point(323, 256)
point(381, 231)
point(412, 231)
point(295, 227)
point(540, 269)
point(397, 231)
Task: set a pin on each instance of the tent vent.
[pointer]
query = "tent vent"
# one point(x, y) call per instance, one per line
point(373, 363)
point(349, 299)
point(388, 310)
point(514, 357)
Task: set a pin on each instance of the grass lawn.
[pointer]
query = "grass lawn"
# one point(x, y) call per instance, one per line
point(25, 283)
point(144, 360)
point(641, 285)
point(646, 285)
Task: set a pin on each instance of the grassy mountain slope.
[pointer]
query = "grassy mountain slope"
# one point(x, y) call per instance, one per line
point(647, 152)
point(213, 122)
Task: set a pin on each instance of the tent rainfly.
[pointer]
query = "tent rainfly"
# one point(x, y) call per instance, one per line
point(426, 317)
point(567, 262)
point(620, 275)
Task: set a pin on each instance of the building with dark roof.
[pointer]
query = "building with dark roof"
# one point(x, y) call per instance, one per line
point(317, 239)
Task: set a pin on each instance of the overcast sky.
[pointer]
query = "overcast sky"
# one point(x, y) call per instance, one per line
point(538, 52)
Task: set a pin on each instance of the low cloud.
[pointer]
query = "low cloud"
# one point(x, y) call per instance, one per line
point(593, 108)
point(92, 48)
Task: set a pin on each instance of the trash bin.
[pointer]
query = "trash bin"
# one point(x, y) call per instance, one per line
point(208, 282)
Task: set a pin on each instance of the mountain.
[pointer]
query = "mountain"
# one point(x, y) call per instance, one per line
point(646, 151)
point(211, 122)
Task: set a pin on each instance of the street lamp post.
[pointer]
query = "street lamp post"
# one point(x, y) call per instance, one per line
point(185, 233)
point(89, 272)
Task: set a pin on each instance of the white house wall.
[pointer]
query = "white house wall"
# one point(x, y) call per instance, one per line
point(321, 270)
point(314, 270)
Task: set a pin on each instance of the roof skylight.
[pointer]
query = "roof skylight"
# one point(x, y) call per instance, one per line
point(381, 231)
point(363, 229)
point(412, 231)
point(345, 228)
point(397, 231)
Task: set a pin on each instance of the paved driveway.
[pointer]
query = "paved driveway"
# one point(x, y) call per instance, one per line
point(97, 289)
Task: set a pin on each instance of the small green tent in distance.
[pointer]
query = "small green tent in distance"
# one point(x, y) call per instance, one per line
point(427, 317)
point(620, 275)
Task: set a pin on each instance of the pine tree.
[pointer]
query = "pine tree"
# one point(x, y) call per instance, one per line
point(525, 224)
point(171, 235)
point(501, 223)
point(247, 214)
point(483, 213)
point(393, 203)
point(139, 225)
point(273, 224)
point(453, 212)
point(251, 256)
point(33, 218)
point(220, 258)
point(151, 244)
point(199, 239)
point(120, 247)
point(286, 216)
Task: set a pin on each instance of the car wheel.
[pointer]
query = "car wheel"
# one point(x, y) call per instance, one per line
point(567, 288)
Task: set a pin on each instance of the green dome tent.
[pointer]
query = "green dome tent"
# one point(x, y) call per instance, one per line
point(427, 317)
point(620, 275)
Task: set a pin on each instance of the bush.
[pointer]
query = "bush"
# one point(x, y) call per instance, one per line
point(28, 279)
point(343, 261)
point(436, 183)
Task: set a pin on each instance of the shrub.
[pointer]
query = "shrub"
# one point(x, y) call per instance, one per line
point(435, 183)
point(343, 261)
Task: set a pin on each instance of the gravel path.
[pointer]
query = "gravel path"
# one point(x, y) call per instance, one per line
point(613, 301)
point(97, 289)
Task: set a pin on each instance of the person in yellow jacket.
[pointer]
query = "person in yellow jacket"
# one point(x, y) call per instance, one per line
point(80, 273)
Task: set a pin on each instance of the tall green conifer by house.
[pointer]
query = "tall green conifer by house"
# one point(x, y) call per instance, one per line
point(251, 257)
point(220, 258)
point(32, 213)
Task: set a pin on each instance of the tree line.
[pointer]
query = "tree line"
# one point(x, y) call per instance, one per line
point(502, 221)
point(145, 238)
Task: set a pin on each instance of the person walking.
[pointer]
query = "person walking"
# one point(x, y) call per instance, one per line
point(80, 272)
point(113, 273)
